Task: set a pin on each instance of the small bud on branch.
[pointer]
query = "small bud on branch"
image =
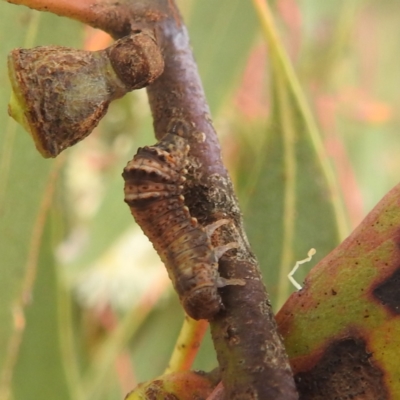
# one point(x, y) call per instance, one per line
point(60, 94)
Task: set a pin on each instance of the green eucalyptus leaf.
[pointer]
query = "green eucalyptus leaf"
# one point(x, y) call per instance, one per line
point(40, 372)
point(350, 305)
point(222, 34)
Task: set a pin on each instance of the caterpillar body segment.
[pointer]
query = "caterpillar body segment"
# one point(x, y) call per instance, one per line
point(153, 190)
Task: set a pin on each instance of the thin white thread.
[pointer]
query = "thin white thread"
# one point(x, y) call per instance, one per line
point(310, 253)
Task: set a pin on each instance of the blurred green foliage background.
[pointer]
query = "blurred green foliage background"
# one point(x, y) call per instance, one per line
point(86, 309)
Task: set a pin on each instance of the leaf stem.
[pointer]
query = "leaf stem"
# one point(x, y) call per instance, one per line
point(187, 345)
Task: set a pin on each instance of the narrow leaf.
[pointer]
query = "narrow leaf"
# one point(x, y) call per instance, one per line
point(292, 203)
point(40, 371)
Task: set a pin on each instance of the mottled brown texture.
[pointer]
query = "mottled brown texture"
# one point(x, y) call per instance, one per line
point(136, 59)
point(388, 293)
point(345, 371)
point(153, 190)
point(184, 385)
point(43, 80)
point(63, 93)
point(251, 354)
point(253, 361)
point(156, 391)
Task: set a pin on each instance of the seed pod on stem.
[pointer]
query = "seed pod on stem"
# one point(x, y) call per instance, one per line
point(59, 94)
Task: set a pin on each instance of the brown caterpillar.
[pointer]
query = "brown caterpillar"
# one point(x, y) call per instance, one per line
point(153, 191)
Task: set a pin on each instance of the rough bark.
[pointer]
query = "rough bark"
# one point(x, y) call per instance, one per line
point(252, 358)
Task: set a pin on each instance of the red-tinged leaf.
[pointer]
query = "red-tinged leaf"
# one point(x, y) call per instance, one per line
point(342, 330)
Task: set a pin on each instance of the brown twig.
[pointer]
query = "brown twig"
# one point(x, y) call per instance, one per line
point(252, 358)
point(81, 10)
point(250, 352)
point(115, 17)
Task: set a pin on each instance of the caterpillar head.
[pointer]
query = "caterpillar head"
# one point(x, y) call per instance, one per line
point(202, 302)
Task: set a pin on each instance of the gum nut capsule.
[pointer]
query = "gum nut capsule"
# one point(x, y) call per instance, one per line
point(59, 94)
